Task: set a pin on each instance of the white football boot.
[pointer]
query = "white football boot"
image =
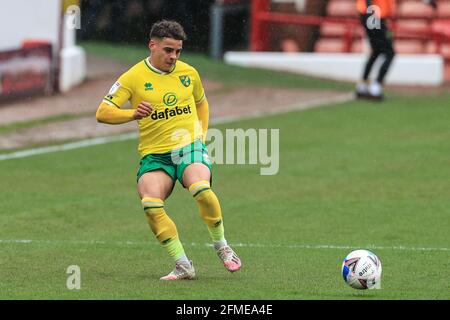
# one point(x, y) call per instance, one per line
point(182, 271)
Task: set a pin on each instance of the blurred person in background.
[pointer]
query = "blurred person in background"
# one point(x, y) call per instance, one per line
point(373, 16)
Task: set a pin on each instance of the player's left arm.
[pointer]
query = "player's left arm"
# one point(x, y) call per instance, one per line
point(203, 115)
point(201, 104)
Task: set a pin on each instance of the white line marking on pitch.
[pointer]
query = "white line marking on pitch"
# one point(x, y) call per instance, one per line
point(67, 146)
point(129, 136)
point(242, 245)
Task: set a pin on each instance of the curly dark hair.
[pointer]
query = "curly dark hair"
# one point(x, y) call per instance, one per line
point(167, 29)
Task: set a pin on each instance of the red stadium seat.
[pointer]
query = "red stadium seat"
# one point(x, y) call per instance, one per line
point(358, 46)
point(431, 47)
point(443, 9)
point(329, 45)
point(415, 9)
point(442, 26)
point(342, 8)
point(409, 46)
point(445, 51)
point(447, 72)
point(330, 30)
point(413, 25)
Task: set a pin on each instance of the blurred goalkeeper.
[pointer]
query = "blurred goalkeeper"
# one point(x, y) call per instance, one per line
point(373, 15)
point(169, 104)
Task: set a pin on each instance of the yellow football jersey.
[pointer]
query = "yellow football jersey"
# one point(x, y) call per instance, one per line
point(173, 97)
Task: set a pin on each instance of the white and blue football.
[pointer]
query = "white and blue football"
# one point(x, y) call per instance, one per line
point(361, 269)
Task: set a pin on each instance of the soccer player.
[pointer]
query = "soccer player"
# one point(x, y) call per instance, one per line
point(380, 38)
point(169, 104)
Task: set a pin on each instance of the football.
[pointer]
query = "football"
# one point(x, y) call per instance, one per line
point(361, 269)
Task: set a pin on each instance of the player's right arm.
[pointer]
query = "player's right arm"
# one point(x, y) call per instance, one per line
point(107, 113)
point(109, 110)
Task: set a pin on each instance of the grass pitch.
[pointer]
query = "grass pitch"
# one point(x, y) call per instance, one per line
point(354, 175)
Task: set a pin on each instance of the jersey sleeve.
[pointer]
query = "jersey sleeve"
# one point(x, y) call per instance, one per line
point(198, 92)
point(120, 92)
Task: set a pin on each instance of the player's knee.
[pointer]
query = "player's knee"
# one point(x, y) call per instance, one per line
point(199, 188)
point(195, 172)
point(152, 206)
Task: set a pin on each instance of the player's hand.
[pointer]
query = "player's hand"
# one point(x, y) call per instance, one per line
point(143, 110)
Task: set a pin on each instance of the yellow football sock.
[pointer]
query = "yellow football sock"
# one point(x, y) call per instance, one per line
point(163, 227)
point(209, 209)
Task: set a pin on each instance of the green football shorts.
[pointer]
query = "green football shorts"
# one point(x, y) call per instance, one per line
point(176, 161)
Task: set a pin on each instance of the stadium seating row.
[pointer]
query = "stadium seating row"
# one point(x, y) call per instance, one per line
point(413, 19)
point(408, 9)
point(400, 45)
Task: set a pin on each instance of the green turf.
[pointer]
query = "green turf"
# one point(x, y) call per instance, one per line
point(353, 175)
point(219, 71)
point(41, 121)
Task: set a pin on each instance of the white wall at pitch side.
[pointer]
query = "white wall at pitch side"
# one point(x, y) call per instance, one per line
point(28, 19)
point(425, 70)
point(41, 20)
point(72, 60)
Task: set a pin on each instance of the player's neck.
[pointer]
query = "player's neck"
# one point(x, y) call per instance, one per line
point(157, 69)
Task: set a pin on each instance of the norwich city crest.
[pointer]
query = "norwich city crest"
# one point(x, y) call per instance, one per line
point(185, 80)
